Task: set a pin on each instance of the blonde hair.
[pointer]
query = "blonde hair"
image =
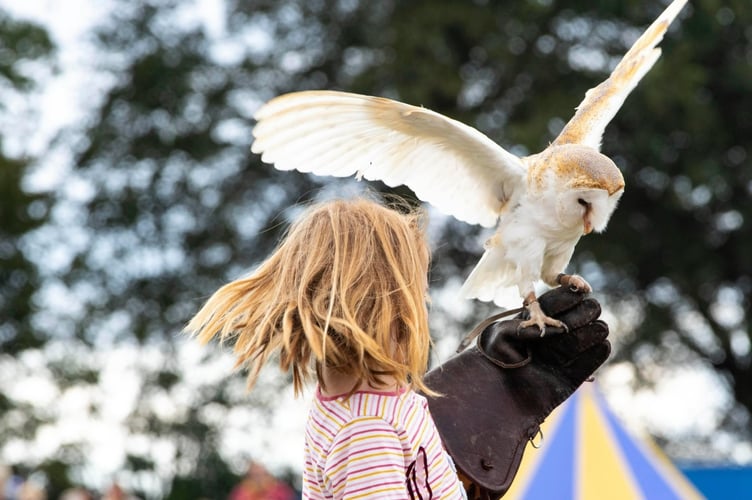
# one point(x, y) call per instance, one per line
point(345, 288)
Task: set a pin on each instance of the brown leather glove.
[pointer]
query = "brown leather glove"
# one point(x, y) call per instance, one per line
point(496, 394)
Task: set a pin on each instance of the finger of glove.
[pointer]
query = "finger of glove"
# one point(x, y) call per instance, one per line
point(586, 363)
point(587, 311)
point(581, 313)
point(559, 300)
point(563, 349)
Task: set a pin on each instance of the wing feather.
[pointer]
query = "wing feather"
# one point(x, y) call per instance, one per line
point(601, 103)
point(445, 162)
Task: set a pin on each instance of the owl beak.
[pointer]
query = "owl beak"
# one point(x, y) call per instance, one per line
point(587, 225)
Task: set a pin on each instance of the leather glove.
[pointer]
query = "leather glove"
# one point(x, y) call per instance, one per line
point(495, 395)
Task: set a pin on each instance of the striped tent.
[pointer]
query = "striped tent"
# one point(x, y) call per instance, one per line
point(586, 454)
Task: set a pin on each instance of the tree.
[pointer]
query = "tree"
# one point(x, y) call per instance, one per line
point(21, 211)
point(176, 205)
point(23, 45)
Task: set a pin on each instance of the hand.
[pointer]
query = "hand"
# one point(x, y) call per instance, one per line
point(496, 394)
point(573, 355)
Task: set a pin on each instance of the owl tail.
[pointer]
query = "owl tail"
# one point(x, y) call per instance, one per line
point(491, 280)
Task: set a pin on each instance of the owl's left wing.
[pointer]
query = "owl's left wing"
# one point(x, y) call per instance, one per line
point(601, 103)
point(445, 162)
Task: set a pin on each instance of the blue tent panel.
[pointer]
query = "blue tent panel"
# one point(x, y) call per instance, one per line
point(558, 462)
point(721, 483)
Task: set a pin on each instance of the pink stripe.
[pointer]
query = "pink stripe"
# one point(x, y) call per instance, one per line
point(319, 444)
point(323, 428)
point(379, 484)
point(359, 470)
point(345, 457)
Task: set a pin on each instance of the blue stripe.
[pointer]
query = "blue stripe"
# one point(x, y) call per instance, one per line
point(554, 477)
point(648, 478)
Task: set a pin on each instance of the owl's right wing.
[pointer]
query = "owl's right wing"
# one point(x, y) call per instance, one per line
point(601, 103)
point(453, 166)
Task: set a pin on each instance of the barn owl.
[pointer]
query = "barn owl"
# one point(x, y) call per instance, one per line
point(540, 204)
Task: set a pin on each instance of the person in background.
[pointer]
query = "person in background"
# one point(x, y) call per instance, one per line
point(260, 484)
point(10, 482)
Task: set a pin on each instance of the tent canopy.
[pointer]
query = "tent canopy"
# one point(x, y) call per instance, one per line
point(586, 454)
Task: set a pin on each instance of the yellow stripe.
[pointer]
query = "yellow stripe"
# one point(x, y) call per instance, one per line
point(370, 436)
point(324, 433)
point(409, 418)
point(602, 471)
point(363, 458)
point(328, 415)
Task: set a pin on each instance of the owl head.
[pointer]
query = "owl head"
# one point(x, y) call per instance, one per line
point(589, 187)
point(588, 208)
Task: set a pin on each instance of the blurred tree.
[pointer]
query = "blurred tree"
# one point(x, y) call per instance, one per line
point(21, 211)
point(176, 205)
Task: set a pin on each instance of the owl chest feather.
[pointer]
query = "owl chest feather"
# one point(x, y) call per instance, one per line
point(530, 236)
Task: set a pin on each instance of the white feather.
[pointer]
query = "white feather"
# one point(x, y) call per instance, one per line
point(446, 163)
point(601, 103)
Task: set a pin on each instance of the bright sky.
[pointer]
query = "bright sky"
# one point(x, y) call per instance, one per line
point(67, 22)
point(686, 399)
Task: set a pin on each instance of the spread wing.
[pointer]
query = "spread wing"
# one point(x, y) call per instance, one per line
point(445, 162)
point(602, 102)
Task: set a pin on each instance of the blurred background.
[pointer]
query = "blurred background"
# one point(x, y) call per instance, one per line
point(128, 194)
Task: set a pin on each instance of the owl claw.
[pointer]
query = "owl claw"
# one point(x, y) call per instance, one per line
point(538, 318)
point(574, 282)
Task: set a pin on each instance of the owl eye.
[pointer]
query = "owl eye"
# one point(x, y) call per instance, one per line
point(583, 202)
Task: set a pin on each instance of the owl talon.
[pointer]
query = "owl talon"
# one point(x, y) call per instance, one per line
point(574, 282)
point(538, 318)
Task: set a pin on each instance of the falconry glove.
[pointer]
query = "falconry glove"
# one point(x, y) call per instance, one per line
point(495, 395)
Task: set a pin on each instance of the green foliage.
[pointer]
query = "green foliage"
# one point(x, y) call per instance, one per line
point(20, 213)
point(57, 472)
point(20, 43)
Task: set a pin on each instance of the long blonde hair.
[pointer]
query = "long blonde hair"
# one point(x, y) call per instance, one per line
point(345, 288)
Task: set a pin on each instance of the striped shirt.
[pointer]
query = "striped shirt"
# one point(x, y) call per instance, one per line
point(376, 445)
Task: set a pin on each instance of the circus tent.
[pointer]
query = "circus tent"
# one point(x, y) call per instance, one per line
point(587, 454)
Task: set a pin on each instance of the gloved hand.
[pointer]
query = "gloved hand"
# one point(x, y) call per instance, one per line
point(496, 394)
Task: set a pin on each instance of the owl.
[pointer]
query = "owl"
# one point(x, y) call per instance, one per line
point(540, 204)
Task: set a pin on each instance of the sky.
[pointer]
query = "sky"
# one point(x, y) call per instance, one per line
point(671, 408)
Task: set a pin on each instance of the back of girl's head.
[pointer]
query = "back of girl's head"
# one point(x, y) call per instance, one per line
point(346, 288)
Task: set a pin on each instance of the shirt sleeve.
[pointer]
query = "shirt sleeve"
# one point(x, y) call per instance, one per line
point(367, 462)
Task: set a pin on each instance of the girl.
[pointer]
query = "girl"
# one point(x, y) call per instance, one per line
point(343, 299)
